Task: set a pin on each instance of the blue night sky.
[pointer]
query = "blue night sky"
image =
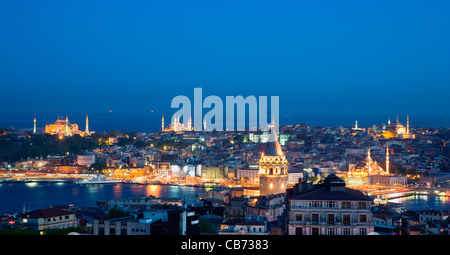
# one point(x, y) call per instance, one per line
point(336, 59)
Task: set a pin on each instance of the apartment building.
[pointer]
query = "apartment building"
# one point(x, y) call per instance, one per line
point(328, 208)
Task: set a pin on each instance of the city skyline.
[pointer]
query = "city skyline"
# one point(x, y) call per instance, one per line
point(323, 59)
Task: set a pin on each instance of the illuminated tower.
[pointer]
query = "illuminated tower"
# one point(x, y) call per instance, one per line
point(162, 123)
point(369, 161)
point(273, 175)
point(67, 126)
point(34, 127)
point(87, 125)
point(407, 124)
point(189, 125)
point(387, 158)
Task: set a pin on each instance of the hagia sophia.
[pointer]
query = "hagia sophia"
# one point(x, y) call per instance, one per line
point(62, 127)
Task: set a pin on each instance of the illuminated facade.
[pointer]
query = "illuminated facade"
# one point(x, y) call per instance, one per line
point(176, 125)
point(372, 173)
point(273, 173)
point(62, 127)
point(358, 173)
point(396, 130)
point(386, 178)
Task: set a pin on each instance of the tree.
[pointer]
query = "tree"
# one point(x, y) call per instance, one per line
point(117, 213)
point(98, 166)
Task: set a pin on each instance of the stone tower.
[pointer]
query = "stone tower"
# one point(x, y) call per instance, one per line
point(273, 175)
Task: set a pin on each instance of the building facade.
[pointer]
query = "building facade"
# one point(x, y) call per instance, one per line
point(48, 218)
point(328, 208)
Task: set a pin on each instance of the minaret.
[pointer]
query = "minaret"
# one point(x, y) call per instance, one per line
point(189, 125)
point(369, 160)
point(67, 126)
point(389, 121)
point(356, 125)
point(387, 158)
point(87, 125)
point(407, 124)
point(34, 127)
point(162, 123)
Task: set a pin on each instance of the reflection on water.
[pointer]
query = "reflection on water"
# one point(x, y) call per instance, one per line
point(34, 195)
point(423, 202)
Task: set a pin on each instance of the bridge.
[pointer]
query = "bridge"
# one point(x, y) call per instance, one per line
point(396, 192)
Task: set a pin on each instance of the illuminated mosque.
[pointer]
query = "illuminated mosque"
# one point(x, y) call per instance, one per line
point(369, 172)
point(176, 125)
point(396, 130)
point(62, 127)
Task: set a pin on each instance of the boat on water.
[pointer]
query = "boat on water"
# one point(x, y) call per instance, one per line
point(99, 179)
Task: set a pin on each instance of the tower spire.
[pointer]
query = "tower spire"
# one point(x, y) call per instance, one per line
point(407, 124)
point(67, 125)
point(369, 160)
point(387, 158)
point(162, 123)
point(34, 127)
point(87, 125)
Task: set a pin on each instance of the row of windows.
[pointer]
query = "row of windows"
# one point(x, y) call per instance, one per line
point(61, 226)
point(330, 204)
point(60, 218)
point(332, 231)
point(330, 218)
point(272, 171)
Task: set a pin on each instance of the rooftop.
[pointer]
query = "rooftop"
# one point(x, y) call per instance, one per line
point(45, 213)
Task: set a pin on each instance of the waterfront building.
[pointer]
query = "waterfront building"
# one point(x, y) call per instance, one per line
point(142, 202)
point(48, 218)
point(163, 168)
point(86, 160)
point(65, 169)
point(328, 208)
point(273, 172)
